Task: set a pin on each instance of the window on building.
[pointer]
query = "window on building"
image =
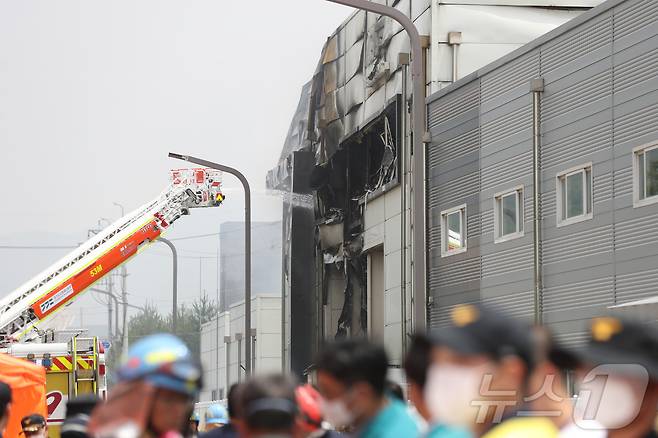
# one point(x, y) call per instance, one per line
point(646, 175)
point(453, 231)
point(508, 214)
point(574, 195)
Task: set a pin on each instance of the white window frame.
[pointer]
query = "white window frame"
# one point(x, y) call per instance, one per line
point(560, 179)
point(637, 202)
point(445, 252)
point(520, 213)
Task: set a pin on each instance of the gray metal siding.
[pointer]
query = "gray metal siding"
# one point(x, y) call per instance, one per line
point(576, 124)
point(454, 167)
point(600, 101)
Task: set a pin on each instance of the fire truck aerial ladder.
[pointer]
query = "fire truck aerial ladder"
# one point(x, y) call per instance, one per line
point(63, 282)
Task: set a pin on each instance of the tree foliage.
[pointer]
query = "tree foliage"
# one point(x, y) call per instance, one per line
point(188, 324)
point(148, 321)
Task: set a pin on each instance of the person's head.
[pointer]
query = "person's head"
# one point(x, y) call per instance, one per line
point(75, 426)
point(234, 405)
point(415, 367)
point(215, 416)
point(352, 380)
point(619, 378)
point(194, 422)
point(309, 418)
point(233, 402)
point(164, 362)
point(5, 406)
point(268, 406)
point(547, 383)
point(484, 358)
point(78, 412)
point(34, 426)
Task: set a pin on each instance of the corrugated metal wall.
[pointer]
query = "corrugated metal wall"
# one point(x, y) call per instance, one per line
point(600, 101)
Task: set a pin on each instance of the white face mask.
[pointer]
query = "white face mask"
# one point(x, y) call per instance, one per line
point(449, 391)
point(610, 403)
point(336, 413)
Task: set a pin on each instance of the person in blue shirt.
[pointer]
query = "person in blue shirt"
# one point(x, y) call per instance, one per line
point(351, 377)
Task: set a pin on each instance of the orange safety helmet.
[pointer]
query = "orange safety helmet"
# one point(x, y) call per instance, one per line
point(308, 402)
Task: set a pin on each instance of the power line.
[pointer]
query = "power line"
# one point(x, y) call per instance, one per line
point(196, 236)
point(157, 254)
point(28, 247)
point(199, 236)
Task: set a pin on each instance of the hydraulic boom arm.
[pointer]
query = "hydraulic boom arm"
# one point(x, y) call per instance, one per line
point(63, 282)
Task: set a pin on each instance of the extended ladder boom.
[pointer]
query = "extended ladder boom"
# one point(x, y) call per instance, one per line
point(64, 281)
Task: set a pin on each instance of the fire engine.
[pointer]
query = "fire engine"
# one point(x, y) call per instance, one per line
point(77, 366)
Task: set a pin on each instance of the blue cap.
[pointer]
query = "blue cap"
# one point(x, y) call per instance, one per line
point(216, 414)
point(164, 361)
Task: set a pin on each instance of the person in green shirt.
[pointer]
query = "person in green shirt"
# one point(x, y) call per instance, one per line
point(351, 377)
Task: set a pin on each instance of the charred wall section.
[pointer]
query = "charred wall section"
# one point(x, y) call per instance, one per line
point(365, 166)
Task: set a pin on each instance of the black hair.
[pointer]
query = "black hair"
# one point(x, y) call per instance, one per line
point(233, 400)
point(5, 398)
point(355, 360)
point(395, 390)
point(418, 360)
point(82, 404)
point(268, 403)
point(75, 426)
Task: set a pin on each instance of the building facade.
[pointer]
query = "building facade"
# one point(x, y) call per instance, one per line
point(347, 153)
point(265, 260)
point(223, 340)
point(584, 99)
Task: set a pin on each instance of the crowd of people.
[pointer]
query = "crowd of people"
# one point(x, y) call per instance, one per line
point(483, 375)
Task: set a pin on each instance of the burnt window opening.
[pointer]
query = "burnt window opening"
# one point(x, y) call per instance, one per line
point(372, 163)
point(373, 154)
point(364, 163)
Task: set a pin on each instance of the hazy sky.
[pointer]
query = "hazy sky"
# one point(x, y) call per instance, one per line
point(93, 95)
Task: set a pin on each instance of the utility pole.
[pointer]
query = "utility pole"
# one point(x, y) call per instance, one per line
point(124, 293)
point(124, 298)
point(110, 287)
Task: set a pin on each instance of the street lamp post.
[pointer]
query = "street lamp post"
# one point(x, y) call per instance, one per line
point(247, 246)
point(418, 152)
point(174, 311)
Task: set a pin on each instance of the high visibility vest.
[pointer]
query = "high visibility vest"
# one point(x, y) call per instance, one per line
point(524, 427)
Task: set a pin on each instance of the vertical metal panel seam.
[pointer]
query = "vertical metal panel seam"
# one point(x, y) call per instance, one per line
point(479, 149)
point(537, 90)
point(612, 154)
